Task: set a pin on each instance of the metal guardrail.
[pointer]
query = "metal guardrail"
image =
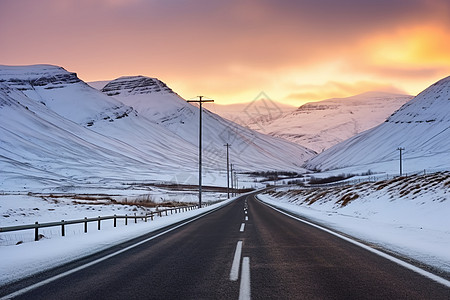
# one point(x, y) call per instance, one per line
point(87, 220)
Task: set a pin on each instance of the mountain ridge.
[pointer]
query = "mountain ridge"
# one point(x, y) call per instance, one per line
point(322, 124)
point(421, 127)
point(75, 135)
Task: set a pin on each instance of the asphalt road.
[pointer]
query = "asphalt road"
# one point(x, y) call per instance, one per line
point(275, 257)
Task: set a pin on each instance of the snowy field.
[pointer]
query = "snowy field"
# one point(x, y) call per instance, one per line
point(407, 216)
point(53, 207)
point(53, 250)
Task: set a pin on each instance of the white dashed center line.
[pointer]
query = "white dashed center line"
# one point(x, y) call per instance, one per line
point(234, 273)
point(244, 291)
point(242, 227)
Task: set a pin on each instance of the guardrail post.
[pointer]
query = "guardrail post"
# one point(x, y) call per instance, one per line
point(36, 232)
point(126, 219)
point(115, 220)
point(166, 212)
point(98, 222)
point(145, 218)
point(135, 218)
point(151, 216)
point(85, 224)
point(63, 232)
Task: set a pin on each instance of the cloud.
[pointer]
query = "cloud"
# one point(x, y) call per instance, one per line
point(235, 49)
point(336, 89)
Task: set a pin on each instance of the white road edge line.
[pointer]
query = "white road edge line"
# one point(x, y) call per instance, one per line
point(64, 274)
point(244, 290)
point(400, 262)
point(242, 227)
point(234, 272)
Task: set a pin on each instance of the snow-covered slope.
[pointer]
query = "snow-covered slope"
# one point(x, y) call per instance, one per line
point(63, 92)
point(320, 125)
point(40, 147)
point(58, 132)
point(421, 126)
point(249, 151)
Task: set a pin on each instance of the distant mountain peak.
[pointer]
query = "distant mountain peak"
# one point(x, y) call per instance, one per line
point(135, 85)
point(60, 90)
point(366, 98)
point(421, 126)
point(28, 77)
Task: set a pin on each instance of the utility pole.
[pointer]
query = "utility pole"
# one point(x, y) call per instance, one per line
point(200, 101)
point(237, 183)
point(232, 183)
point(401, 149)
point(228, 170)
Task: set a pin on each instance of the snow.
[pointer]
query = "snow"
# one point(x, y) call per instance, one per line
point(66, 147)
point(407, 216)
point(250, 150)
point(317, 125)
point(30, 258)
point(57, 133)
point(421, 126)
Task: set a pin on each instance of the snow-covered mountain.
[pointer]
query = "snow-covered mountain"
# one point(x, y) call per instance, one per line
point(421, 127)
point(249, 150)
point(320, 125)
point(56, 131)
point(62, 131)
point(63, 93)
point(260, 111)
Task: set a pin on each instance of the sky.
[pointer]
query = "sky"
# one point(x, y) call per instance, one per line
point(231, 51)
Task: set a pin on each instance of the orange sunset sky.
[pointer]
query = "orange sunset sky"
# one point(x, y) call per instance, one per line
point(294, 51)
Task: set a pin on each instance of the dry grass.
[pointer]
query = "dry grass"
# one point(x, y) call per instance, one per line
point(347, 198)
point(316, 197)
point(103, 199)
point(395, 188)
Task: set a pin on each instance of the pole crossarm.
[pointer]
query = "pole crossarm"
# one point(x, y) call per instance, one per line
point(200, 101)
